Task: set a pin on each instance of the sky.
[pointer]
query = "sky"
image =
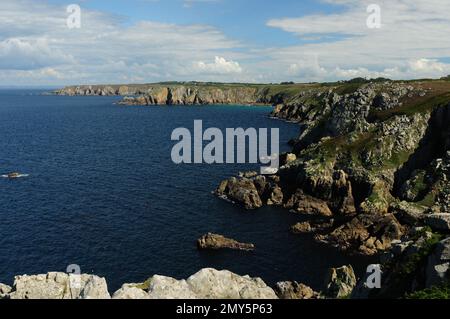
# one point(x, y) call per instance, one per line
point(260, 41)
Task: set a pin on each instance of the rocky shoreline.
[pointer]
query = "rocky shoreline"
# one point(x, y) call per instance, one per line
point(208, 283)
point(370, 172)
point(190, 93)
point(370, 169)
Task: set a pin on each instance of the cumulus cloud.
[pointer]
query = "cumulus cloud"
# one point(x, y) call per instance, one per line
point(34, 38)
point(36, 47)
point(219, 66)
point(22, 54)
point(411, 42)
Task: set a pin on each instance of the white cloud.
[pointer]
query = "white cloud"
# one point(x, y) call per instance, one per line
point(22, 54)
point(411, 42)
point(34, 38)
point(36, 47)
point(220, 66)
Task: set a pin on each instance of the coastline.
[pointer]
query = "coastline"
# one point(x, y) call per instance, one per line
point(358, 169)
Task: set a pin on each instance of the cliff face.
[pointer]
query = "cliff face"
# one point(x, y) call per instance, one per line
point(185, 95)
point(363, 150)
point(371, 173)
point(188, 93)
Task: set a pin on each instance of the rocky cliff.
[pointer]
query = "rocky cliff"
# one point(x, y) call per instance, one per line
point(371, 164)
point(189, 93)
point(370, 170)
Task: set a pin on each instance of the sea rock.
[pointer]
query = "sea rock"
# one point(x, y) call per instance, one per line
point(56, 285)
point(301, 228)
point(242, 191)
point(215, 241)
point(276, 197)
point(366, 234)
point(437, 271)
point(306, 204)
point(294, 290)
point(340, 282)
point(209, 283)
point(439, 222)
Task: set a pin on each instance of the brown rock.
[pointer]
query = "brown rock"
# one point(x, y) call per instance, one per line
point(294, 290)
point(302, 228)
point(276, 197)
point(306, 204)
point(242, 191)
point(340, 282)
point(215, 242)
point(366, 234)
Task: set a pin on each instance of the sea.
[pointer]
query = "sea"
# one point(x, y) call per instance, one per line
point(100, 191)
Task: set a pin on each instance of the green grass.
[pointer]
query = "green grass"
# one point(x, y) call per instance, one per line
point(441, 292)
point(418, 105)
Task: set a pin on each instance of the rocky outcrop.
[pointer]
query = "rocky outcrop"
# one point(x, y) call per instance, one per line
point(302, 228)
point(366, 234)
point(340, 282)
point(196, 95)
point(242, 191)
point(178, 93)
point(57, 285)
point(438, 265)
point(295, 290)
point(372, 161)
point(131, 291)
point(215, 242)
point(208, 283)
point(305, 204)
point(4, 290)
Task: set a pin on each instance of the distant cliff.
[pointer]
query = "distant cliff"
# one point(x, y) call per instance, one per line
point(191, 93)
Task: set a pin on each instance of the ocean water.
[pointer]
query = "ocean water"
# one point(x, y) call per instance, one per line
point(103, 193)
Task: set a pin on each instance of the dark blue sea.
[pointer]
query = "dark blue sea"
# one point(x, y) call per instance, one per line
point(103, 193)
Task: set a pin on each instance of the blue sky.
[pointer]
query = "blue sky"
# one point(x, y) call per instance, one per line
point(242, 19)
point(221, 40)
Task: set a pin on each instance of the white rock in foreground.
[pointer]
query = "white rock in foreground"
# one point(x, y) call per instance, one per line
point(57, 285)
point(206, 284)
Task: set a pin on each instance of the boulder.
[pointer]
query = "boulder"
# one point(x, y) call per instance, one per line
point(55, 285)
point(294, 290)
point(305, 204)
point(439, 222)
point(301, 228)
point(209, 283)
point(242, 191)
point(130, 291)
point(215, 242)
point(340, 282)
point(162, 287)
point(4, 291)
point(275, 197)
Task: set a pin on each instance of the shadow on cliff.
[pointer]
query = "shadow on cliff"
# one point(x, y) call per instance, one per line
point(434, 144)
